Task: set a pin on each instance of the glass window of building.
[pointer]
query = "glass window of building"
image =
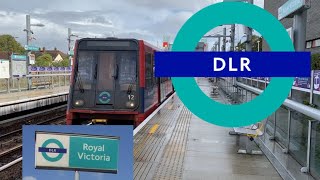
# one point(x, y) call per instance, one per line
point(309, 44)
point(317, 43)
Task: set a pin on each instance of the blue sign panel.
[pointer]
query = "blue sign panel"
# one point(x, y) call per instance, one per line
point(232, 64)
point(302, 82)
point(52, 150)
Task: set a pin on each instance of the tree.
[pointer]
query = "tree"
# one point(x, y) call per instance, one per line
point(9, 44)
point(315, 61)
point(44, 60)
point(63, 63)
point(255, 39)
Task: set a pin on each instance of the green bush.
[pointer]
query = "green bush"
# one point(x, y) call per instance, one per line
point(63, 63)
point(315, 61)
point(44, 60)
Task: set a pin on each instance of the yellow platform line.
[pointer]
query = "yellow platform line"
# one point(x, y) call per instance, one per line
point(153, 129)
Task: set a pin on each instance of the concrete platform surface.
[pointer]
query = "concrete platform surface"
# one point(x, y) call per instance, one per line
point(176, 144)
point(15, 97)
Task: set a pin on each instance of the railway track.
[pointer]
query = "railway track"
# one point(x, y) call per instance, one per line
point(12, 158)
point(11, 141)
point(12, 124)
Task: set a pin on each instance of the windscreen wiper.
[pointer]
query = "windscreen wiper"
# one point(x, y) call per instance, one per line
point(96, 72)
point(116, 73)
point(79, 83)
point(129, 91)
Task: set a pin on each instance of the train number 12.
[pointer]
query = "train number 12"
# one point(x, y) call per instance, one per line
point(131, 97)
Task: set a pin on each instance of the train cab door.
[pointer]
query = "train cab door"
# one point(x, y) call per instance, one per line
point(106, 72)
point(117, 80)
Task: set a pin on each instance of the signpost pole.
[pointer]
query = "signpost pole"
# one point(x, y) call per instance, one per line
point(28, 30)
point(299, 29)
point(219, 44)
point(249, 34)
point(299, 36)
point(76, 175)
point(224, 40)
point(69, 45)
point(233, 29)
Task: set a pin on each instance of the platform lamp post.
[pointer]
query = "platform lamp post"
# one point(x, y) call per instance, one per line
point(70, 35)
point(248, 30)
point(258, 45)
point(29, 32)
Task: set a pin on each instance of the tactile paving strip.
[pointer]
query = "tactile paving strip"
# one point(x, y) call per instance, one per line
point(160, 146)
point(171, 165)
point(150, 142)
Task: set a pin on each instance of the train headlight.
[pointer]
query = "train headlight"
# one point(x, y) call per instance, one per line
point(130, 104)
point(79, 103)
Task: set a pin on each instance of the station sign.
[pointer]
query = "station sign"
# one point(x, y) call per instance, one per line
point(292, 7)
point(18, 68)
point(32, 59)
point(18, 57)
point(4, 69)
point(71, 60)
point(31, 48)
point(63, 151)
point(71, 53)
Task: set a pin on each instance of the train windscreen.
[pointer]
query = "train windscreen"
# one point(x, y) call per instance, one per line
point(107, 78)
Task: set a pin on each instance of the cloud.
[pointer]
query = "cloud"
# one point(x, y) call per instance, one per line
point(143, 19)
point(96, 21)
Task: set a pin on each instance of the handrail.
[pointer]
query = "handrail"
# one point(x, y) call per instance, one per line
point(48, 75)
point(38, 75)
point(306, 110)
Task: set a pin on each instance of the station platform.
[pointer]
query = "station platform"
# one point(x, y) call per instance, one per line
point(175, 144)
point(26, 100)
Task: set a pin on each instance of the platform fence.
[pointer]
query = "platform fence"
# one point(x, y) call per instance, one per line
point(295, 126)
point(40, 80)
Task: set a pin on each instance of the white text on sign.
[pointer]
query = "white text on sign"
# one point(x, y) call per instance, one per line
point(244, 64)
point(93, 157)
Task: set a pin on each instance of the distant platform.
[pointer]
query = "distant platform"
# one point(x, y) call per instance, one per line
point(26, 100)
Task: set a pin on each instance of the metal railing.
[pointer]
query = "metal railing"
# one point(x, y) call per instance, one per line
point(39, 81)
point(295, 125)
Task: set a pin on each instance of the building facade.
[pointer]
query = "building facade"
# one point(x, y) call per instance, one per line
point(313, 23)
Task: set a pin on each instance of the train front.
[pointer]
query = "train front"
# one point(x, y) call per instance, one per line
point(104, 86)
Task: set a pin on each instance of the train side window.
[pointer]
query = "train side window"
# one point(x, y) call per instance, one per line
point(148, 73)
point(154, 81)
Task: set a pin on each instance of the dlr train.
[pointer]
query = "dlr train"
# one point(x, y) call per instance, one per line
point(113, 81)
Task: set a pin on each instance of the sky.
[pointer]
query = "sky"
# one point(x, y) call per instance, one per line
point(125, 160)
point(149, 20)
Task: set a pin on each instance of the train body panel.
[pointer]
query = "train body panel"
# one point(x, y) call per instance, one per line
point(113, 79)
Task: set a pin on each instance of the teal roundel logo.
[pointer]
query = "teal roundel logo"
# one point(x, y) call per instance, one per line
point(59, 152)
point(232, 13)
point(104, 97)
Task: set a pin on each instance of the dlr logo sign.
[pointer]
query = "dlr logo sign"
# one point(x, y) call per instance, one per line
point(244, 64)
